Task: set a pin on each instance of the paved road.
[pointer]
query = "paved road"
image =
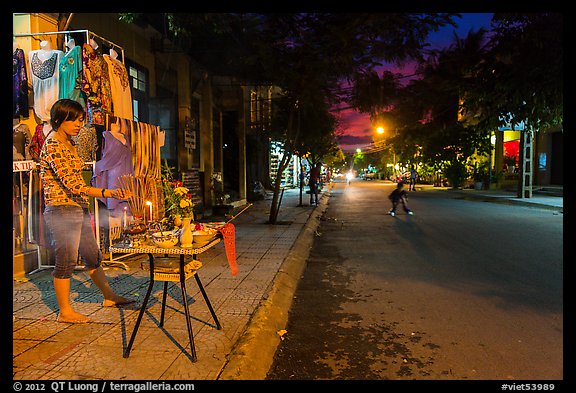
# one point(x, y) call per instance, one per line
point(461, 290)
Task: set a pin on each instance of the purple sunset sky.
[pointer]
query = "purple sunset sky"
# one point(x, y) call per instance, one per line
point(355, 128)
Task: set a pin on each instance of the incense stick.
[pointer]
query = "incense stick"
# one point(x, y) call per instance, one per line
point(142, 188)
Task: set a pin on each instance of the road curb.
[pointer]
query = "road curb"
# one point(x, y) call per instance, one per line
point(253, 354)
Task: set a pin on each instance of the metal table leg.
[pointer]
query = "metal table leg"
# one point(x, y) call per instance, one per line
point(218, 326)
point(142, 309)
point(163, 303)
point(186, 311)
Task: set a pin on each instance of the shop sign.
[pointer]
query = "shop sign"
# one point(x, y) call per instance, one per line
point(191, 180)
point(23, 166)
point(190, 126)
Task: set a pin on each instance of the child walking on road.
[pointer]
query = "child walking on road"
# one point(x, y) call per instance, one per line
point(399, 196)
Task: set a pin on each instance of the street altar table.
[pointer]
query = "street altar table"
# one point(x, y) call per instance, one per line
point(171, 272)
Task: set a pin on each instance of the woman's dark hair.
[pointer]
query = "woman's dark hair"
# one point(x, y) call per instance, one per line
point(64, 110)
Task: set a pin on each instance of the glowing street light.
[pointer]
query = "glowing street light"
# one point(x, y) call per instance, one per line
point(380, 130)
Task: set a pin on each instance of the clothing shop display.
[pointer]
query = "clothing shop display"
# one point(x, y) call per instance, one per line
point(21, 138)
point(70, 81)
point(44, 74)
point(120, 87)
point(116, 161)
point(101, 84)
point(38, 140)
point(20, 84)
point(96, 84)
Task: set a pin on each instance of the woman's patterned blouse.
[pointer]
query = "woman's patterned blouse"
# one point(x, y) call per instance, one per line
point(61, 174)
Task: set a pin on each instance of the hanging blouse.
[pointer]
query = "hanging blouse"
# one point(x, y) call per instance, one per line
point(120, 88)
point(20, 85)
point(116, 161)
point(44, 75)
point(96, 85)
point(70, 81)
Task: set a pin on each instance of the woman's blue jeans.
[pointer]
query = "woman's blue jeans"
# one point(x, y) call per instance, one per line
point(71, 231)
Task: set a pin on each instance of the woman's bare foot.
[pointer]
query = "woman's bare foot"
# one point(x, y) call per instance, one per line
point(116, 301)
point(72, 317)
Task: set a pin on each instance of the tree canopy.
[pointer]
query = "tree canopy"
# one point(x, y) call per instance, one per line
point(521, 76)
point(502, 77)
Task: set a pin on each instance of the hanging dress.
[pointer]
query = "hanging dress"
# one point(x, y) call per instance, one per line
point(70, 80)
point(44, 75)
point(120, 88)
point(96, 85)
point(20, 85)
point(36, 143)
point(116, 161)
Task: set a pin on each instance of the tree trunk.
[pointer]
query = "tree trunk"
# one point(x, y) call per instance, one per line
point(275, 205)
point(288, 148)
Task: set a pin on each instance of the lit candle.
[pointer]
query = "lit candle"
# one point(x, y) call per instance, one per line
point(150, 207)
point(125, 225)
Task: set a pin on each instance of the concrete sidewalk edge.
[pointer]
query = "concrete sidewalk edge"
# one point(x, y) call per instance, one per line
point(253, 354)
point(529, 202)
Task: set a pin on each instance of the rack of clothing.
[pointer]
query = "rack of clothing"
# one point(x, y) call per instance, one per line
point(75, 72)
point(79, 71)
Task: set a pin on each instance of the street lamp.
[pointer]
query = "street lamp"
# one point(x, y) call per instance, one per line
point(380, 130)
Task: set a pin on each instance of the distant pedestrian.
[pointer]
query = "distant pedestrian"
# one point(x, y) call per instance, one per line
point(314, 183)
point(399, 196)
point(413, 177)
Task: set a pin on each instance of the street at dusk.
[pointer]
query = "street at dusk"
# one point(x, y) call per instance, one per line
point(461, 290)
point(292, 196)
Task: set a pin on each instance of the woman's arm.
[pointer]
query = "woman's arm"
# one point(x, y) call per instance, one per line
point(117, 193)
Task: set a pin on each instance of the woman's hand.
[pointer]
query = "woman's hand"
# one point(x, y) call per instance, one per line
point(120, 193)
